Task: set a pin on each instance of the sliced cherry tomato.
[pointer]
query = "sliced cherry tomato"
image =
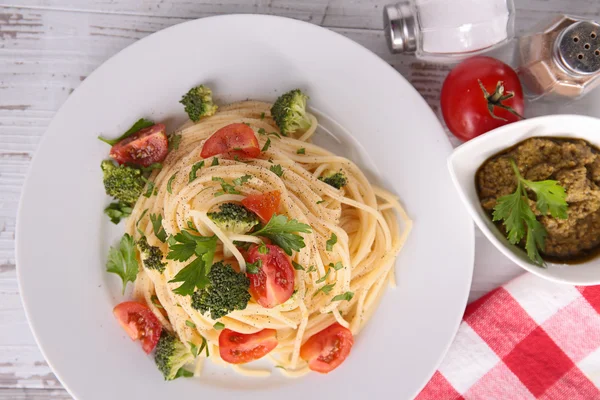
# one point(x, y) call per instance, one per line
point(264, 205)
point(274, 282)
point(240, 348)
point(326, 350)
point(146, 147)
point(139, 323)
point(480, 94)
point(231, 141)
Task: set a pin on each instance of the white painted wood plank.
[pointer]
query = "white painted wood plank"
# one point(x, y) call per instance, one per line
point(47, 47)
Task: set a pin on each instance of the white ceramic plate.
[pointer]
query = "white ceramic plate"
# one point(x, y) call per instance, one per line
point(466, 160)
point(63, 236)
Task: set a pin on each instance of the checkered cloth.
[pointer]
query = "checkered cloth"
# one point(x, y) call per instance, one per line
point(529, 339)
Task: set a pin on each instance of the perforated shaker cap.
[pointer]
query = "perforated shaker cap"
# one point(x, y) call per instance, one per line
point(578, 48)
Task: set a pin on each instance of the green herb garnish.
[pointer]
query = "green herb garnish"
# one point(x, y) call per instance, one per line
point(277, 170)
point(194, 171)
point(331, 241)
point(138, 126)
point(282, 232)
point(344, 296)
point(519, 219)
point(122, 260)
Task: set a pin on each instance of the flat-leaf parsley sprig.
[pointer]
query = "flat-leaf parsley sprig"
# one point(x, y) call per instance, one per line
point(283, 232)
point(519, 219)
point(182, 247)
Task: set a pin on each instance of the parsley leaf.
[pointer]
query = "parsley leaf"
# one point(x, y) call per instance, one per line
point(193, 275)
point(191, 226)
point(174, 141)
point(344, 296)
point(183, 373)
point(190, 323)
point(551, 197)
point(152, 167)
point(297, 266)
point(519, 219)
point(263, 249)
point(157, 227)
point(122, 260)
point(262, 116)
point(155, 301)
point(277, 170)
point(170, 182)
point(141, 217)
point(267, 145)
point(150, 188)
point(218, 326)
point(138, 126)
point(194, 171)
point(230, 187)
point(204, 346)
point(254, 268)
point(325, 289)
point(215, 162)
point(337, 266)
point(301, 150)
point(331, 241)
point(194, 349)
point(320, 201)
point(118, 210)
point(241, 180)
point(281, 232)
point(324, 277)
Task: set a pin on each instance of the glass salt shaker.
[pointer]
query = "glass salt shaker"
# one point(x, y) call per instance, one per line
point(448, 30)
point(561, 60)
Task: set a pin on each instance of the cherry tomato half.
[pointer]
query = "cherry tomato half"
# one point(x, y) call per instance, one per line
point(480, 94)
point(146, 147)
point(139, 323)
point(274, 282)
point(240, 348)
point(231, 141)
point(264, 205)
point(326, 350)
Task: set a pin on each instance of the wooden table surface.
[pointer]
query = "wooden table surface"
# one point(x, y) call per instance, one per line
point(47, 47)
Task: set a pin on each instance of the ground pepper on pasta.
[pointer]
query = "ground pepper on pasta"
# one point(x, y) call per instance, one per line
point(369, 224)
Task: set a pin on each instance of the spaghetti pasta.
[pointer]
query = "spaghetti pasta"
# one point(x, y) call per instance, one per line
point(363, 218)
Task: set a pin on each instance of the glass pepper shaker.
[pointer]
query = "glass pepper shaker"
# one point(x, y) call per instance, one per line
point(448, 30)
point(562, 59)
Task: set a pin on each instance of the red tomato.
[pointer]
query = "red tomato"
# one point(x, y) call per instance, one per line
point(139, 323)
point(468, 110)
point(232, 140)
point(274, 282)
point(264, 205)
point(240, 348)
point(326, 350)
point(148, 146)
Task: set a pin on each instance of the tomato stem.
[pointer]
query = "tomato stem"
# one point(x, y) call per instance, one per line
point(495, 100)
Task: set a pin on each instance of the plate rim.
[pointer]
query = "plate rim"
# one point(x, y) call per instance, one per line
point(323, 30)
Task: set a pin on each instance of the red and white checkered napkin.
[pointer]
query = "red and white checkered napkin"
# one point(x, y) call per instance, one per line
point(529, 339)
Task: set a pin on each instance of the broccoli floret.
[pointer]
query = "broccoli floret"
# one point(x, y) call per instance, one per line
point(122, 182)
point(234, 218)
point(198, 103)
point(289, 112)
point(171, 355)
point(151, 255)
point(337, 180)
point(227, 291)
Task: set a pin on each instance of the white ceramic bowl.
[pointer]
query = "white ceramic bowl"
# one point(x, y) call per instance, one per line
point(466, 159)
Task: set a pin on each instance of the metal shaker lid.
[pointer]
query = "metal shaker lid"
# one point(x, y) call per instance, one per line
point(400, 27)
point(578, 48)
